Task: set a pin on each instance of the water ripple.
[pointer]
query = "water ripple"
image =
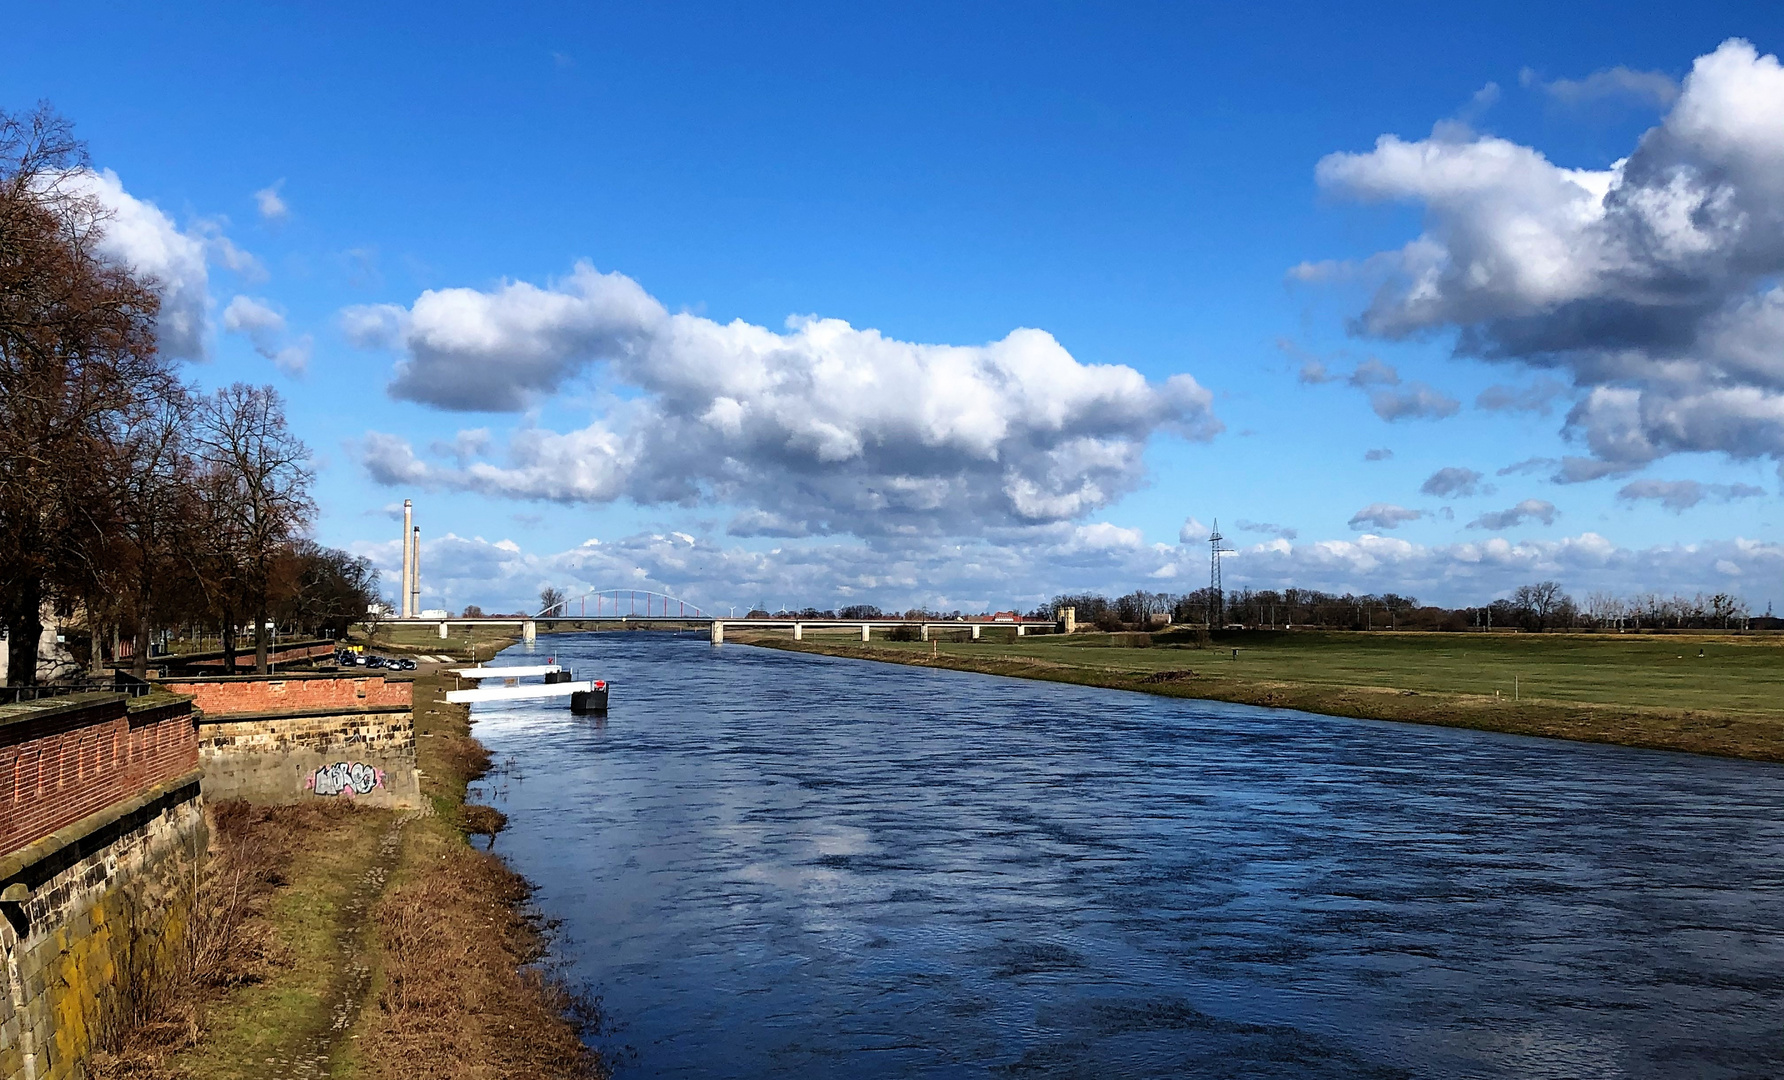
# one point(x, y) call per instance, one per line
point(774, 864)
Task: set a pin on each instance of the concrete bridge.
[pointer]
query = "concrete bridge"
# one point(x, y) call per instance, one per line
point(868, 626)
point(529, 627)
point(641, 607)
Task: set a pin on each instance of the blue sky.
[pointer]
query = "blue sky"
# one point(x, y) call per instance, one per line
point(1139, 183)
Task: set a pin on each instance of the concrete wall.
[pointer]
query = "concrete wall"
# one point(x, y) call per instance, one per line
point(93, 911)
point(284, 739)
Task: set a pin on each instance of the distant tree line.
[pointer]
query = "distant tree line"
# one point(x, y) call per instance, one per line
point(129, 500)
point(1537, 607)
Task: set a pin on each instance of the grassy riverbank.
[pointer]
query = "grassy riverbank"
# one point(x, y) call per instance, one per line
point(1712, 694)
point(335, 941)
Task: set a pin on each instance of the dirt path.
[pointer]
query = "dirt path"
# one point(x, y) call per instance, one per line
point(313, 1052)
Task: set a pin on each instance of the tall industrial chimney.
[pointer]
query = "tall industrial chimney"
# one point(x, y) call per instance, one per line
point(415, 569)
point(408, 568)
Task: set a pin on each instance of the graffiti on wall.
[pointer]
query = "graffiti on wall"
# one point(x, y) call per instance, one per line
point(346, 779)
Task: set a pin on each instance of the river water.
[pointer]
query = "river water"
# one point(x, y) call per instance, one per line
point(772, 864)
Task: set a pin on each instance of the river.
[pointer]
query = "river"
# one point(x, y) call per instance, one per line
point(773, 864)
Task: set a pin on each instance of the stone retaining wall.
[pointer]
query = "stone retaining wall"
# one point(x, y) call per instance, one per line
point(94, 908)
point(288, 738)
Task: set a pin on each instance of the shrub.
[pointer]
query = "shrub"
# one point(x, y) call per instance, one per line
point(1196, 636)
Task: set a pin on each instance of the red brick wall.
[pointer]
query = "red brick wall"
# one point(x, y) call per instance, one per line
point(57, 769)
point(274, 694)
point(279, 655)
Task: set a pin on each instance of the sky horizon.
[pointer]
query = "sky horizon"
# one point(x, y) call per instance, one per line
point(965, 309)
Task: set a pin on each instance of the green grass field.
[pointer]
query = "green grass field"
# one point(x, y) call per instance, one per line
point(425, 638)
point(1711, 693)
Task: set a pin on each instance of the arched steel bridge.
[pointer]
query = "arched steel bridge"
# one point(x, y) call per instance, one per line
point(628, 604)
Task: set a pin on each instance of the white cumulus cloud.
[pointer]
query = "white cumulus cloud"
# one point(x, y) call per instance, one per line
point(1652, 284)
point(824, 427)
point(1390, 397)
point(271, 203)
point(1511, 517)
point(979, 575)
point(264, 327)
point(1647, 87)
point(139, 235)
point(1383, 516)
point(1454, 482)
point(1681, 495)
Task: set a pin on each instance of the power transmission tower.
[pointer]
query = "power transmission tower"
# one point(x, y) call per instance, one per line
point(1216, 597)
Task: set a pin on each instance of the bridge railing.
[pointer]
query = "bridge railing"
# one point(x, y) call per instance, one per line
point(618, 603)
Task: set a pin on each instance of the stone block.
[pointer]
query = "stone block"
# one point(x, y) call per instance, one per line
point(108, 907)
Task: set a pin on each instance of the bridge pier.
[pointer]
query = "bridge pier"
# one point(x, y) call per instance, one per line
point(866, 632)
point(798, 631)
point(925, 631)
point(976, 629)
point(718, 632)
point(1021, 629)
point(529, 632)
point(442, 631)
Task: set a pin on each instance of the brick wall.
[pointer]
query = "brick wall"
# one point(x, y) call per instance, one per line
point(245, 660)
point(223, 696)
point(65, 758)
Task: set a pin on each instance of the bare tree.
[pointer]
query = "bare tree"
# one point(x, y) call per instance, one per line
point(1540, 602)
point(77, 352)
point(1396, 605)
point(149, 476)
point(322, 588)
point(215, 551)
point(375, 614)
point(1605, 609)
point(551, 600)
point(262, 485)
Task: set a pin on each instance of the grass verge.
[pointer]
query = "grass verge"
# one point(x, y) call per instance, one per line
point(338, 941)
point(263, 946)
point(460, 992)
point(1712, 694)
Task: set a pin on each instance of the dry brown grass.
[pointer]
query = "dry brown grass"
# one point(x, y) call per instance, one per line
point(460, 998)
point(230, 941)
point(459, 991)
point(478, 820)
point(463, 757)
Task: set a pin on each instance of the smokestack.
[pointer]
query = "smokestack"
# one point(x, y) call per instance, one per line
point(408, 568)
point(415, 581)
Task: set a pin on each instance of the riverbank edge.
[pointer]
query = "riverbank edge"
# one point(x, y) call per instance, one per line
point(465, 971)
point(1692, 732)
point(459, 975)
